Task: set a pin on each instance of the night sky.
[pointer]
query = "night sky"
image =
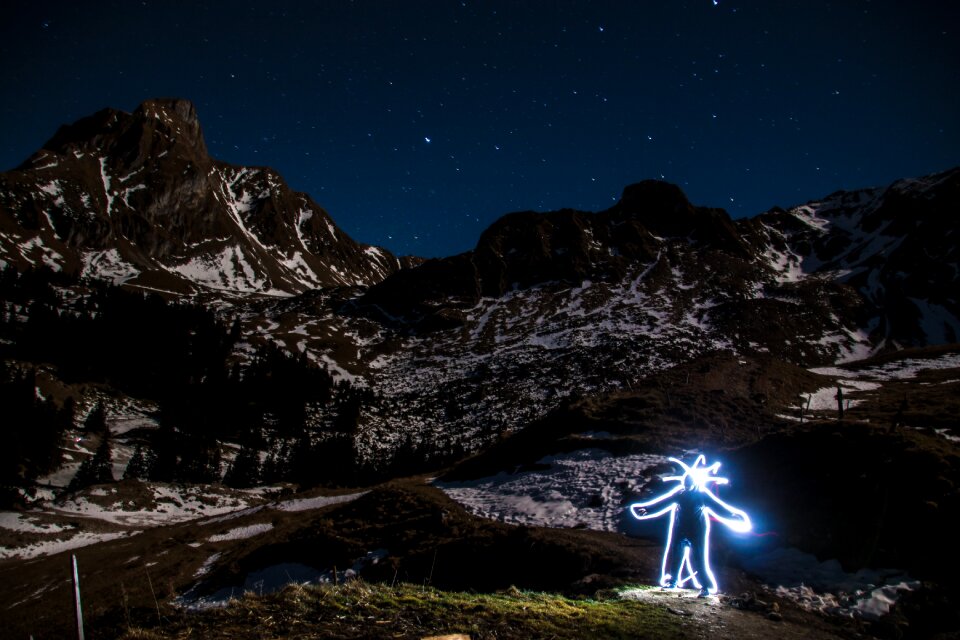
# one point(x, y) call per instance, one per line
point(416, 124)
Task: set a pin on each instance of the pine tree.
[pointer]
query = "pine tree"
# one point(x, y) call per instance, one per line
point(245, 470)
point(199, 462)
point(165, 460)
point(276, 468)
point(303, 461)
point(215, 462)
point(407, 459)
point(97, 469)
point(140, 464)
point(96, 420)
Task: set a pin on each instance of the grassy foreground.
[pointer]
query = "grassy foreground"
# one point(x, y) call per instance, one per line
point(360, 610)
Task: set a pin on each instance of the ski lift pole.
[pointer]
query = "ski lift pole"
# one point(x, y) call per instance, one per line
point(76, 598)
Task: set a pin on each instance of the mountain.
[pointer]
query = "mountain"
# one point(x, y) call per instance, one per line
point(886, 258)
point(135, 198)
point(547, 309)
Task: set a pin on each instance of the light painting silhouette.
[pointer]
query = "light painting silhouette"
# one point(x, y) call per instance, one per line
point(691, 506)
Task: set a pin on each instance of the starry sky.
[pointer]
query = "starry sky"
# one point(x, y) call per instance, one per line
point(418, 123)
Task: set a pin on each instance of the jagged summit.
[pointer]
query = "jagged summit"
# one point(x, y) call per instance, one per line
point(136, 198)
point(663, 209)
point(655, 195)
point(162, 122)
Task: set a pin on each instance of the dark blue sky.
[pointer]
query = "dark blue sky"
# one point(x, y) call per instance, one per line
point(416, 124)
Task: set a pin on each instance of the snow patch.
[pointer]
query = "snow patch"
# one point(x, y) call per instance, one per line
point(105, 178)
point(825, 587)
point(241, 533)
point(108, 265)
point(585, 488)
point(318, 502)
point(227, 270)
point(45, 548)
point(25, 523)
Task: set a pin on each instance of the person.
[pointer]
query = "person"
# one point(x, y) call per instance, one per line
point(691, 505)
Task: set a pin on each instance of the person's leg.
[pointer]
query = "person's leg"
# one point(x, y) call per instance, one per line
point(708, 582)
point(670, 569)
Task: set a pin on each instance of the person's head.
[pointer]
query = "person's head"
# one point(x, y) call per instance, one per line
point(699, 476)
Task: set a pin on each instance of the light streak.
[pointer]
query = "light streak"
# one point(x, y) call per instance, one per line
point(695, 505)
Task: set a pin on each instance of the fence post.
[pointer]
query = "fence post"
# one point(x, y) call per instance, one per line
point(76, 598)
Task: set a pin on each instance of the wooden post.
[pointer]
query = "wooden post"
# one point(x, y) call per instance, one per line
point(76, 598)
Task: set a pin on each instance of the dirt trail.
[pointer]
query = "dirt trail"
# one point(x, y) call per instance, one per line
point(718, 617)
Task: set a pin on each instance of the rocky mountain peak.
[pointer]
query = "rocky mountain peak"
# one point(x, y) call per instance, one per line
point(176, 115)
point(655, 198)
point(158, 125)
point(136, 198)
point(180, 110)
point(663, 209)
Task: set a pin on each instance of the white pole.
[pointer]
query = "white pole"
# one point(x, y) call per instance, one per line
point(76, 598)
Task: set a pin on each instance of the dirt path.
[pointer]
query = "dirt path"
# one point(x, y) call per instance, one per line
point(718, 617)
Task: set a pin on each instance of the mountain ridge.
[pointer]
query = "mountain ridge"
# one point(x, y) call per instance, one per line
point(548, 307)
point(842, 238)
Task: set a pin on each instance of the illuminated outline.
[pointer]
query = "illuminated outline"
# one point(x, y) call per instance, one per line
point(695, 478)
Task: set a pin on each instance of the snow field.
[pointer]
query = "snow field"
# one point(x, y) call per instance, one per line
point(586, 488)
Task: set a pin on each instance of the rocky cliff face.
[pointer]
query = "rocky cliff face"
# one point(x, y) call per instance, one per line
point(136, 198)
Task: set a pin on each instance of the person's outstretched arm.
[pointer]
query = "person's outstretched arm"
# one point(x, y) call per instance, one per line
point(736, 519)
point(639, 509)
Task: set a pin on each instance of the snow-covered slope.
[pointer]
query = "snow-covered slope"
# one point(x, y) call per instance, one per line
point(896, 246)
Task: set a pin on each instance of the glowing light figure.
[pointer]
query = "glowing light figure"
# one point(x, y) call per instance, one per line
point(691, 505)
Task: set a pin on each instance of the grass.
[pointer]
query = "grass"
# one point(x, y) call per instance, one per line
point(361, 610)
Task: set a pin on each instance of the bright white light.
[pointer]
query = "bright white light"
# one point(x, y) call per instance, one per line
point(692, 501)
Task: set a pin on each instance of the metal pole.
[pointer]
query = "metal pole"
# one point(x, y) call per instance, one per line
point(76, 598)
